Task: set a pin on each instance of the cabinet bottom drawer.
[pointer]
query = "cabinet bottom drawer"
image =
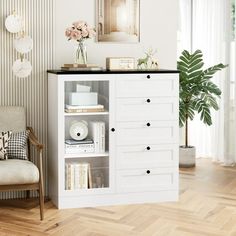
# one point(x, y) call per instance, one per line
point(153, 179)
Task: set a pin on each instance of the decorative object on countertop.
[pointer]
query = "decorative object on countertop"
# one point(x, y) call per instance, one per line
point(81, 67)
point(148, 62)
point(78, 130)
point(120, 63)
point(197, 94)
point(80, 31)
point(23, 44)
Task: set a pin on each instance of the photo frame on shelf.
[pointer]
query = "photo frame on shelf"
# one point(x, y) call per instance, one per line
point(118, 21)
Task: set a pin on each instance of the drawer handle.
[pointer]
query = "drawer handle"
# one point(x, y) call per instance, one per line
point(148, 77)
point(148, 124)
point(148, 100)
point(113, 129)
point(148, 148)
point(148, 172)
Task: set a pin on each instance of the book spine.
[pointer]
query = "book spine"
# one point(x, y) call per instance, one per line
point(102, 125)
point(79, 150)
point(99, 106)
point(84, 176)
point(72, 143)
point(72, 178)
point(79, 146)
point(83, 110)
point(100, 136)
point(77, 175)
point(95, 132)
point(68, 176)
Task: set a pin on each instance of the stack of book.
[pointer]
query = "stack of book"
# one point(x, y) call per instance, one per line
point(81, 67)
point(83, 146)
point(80, 109)
point(77, 176)
point(97, 133)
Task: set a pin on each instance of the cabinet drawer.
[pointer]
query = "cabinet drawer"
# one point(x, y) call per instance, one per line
point(138, 109)
point(141, 156)
point(134, 133)
point(139, 86)
point(139, 180)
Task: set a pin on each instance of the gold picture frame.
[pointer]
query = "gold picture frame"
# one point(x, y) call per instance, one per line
point(118, 21)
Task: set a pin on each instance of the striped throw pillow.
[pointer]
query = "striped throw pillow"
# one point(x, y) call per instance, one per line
point(4, 141)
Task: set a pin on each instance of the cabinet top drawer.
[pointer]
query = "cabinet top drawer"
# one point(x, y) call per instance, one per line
point(152, 85)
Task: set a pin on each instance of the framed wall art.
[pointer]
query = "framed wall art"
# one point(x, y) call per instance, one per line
point(118, 21)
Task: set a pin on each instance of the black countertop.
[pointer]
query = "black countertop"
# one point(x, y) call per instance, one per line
point(65, 72)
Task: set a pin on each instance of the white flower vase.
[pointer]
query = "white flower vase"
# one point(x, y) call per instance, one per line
point(81, 53)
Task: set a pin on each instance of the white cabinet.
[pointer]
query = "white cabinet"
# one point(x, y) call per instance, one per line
point(140, 162)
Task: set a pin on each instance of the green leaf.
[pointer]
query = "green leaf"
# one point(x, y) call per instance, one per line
point(208, 73)
point(196, 66)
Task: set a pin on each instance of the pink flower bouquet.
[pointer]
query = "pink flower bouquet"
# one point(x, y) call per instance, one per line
point(79, 31)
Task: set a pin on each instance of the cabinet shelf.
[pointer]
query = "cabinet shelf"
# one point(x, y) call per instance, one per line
point(88, 191)
point(86, 155)
point(87, 113)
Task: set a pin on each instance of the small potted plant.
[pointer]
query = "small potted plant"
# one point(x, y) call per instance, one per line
point(197, 94)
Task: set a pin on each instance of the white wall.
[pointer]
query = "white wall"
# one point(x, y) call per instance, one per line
point(158, 26)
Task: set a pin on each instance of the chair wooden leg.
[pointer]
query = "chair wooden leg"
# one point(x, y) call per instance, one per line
point(41, 200)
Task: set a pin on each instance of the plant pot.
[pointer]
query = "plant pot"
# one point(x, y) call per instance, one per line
point(187, 157)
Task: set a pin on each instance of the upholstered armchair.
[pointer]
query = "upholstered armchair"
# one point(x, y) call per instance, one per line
point(21, 174)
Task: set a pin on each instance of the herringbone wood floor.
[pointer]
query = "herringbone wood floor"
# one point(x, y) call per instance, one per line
point(207, 207)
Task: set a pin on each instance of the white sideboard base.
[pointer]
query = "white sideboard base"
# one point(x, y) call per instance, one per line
point(140, 163)
point(118, 199)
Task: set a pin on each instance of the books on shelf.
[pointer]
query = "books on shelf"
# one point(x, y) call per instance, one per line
point(77, 176)
point(81, 109)
point(97, 133)
point(74, 142)
point(79, 148)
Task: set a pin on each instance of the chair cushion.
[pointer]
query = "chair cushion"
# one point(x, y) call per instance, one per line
point(18, 172)
point(4, 139)
point(17, 145)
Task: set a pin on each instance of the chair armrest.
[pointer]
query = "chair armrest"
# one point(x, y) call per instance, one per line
point(33, 139)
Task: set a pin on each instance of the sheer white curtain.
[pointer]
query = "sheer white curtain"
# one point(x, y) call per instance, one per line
point(211, 33)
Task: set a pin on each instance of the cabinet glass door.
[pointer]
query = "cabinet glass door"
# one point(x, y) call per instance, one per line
point(86, 152)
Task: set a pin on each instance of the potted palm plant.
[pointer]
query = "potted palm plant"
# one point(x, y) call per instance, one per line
point(198, 94)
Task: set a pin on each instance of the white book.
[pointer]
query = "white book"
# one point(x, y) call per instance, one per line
point(70, 176)
point(97, 132)
point(84, 176)
point(76, 175)
point(101, 137)
point(93, 129)
point(81, 175)
point(66, 176)
point(83, 149)
point(79, 146)
point(99, 106)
